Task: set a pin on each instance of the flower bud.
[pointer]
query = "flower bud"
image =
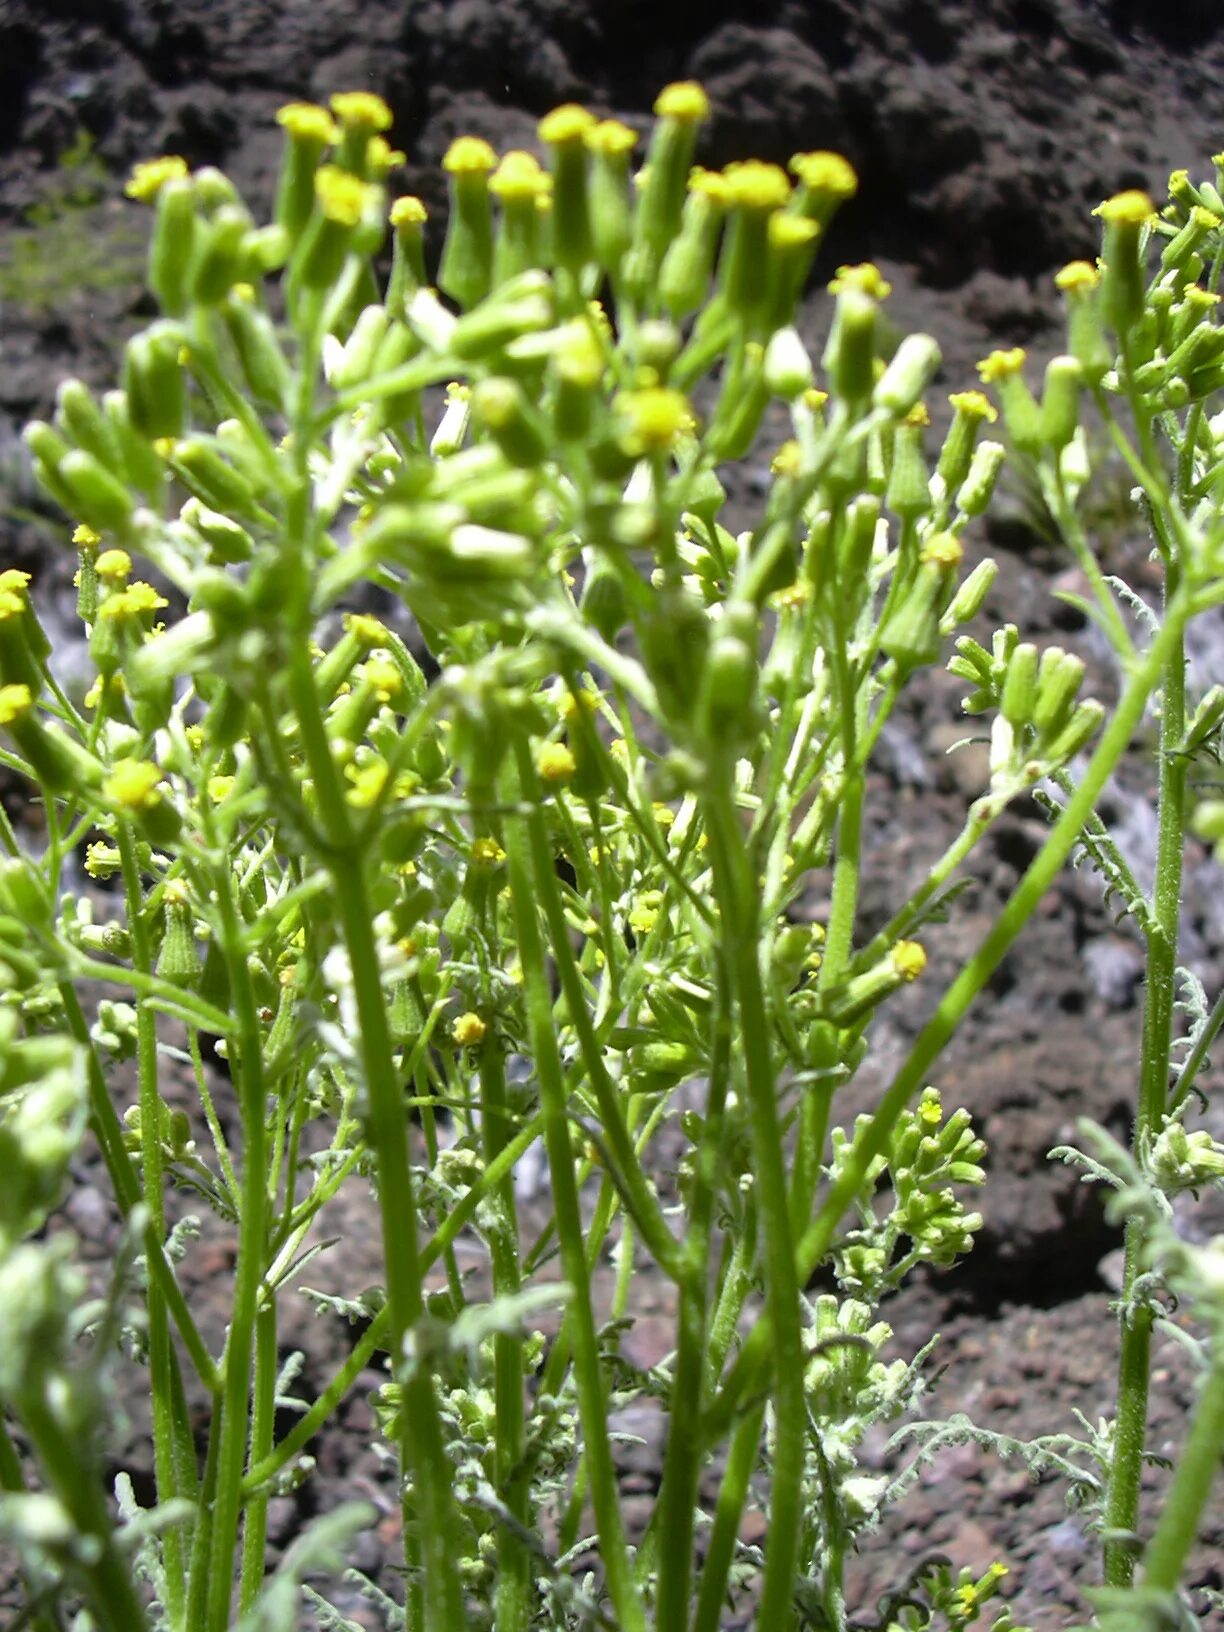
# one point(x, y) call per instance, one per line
point(343, 204)
point(351, 364)
point(565, 132)
point(59, 764)
point(610, 143)
point(688, 261)
point(83, 422)
point(741, 407)
point(227, 540)
point(24, 647)
point(1021, 415)
point(1126, 218)
point(754, 192)
point(98, 498)
point(849, 355)
point(408, 217)
point(911, 633)
point(309, 131)
point(680, 108)
point(154, 382)
point(791, 248)
point(788, 368)
point(178, 960)
point(1064, 380)
point(1080, 283)
point(604, 604)
point(199, 465)
point(518, 308)
point(520, 187)
point(265, 368)
point(914, 366)
point(1058, 682)
point(908, 494)
point(362, 117)
point(515, 426)
point(847, 1004)
point(48, 449)
point(977, 490)
point(466, 269)
point(970, 597)
point(142, 468)
point(1018, 697)
point(1075, 735)
point(825, 182)
point(971, 411)
point(219, 263)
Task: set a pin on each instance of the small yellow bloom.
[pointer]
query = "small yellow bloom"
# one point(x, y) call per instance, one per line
point(918, 415)
point(469, 156)
point(1202, 299)
point(556, 763)
point(361, 110)
point(133, 785)
point(788, 461)
point(138, 597)
point(114, 565)
point(823, 172)
point(518, 176)
point(643, 919)
point(567, 124)
point(15, 703)
point(1078, 277)
point(664, 815)
point(866, 277)
point(220, 788)
point(85, 538)
point(469, 1030)
point(408, 211)
point(612, 137)
point(712, 184)
point(683, 100)
point(942, 550)
point(486, 852)
point(791, 598)
point(308, 122)
point(975, 405)
point(814, 398)
point(1131, 208)
point(382, 157)
point(908, 959)
point(342, 197)
point(930, 1108)
point(151, 175)
point(658, 416)
point(753, 185)
point(1001, 364)
point(383, 677)
point(791, 231)
point(369, 780)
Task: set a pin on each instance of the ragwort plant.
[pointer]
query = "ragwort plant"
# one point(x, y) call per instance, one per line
point(517, 861)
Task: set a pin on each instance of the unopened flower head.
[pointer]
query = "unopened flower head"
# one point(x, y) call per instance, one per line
point(151, 175)
point(866, 278)
point(1131, 208)
point(611, 137)
point(824, 172)
point(975, 405)
point(408, 211)
point(908, 959)
point(684, 100)
point(1078, 277)
point(519, 176)
point(658, 416)
point(469, 1030)
point(133, 785)
point(1001, 364)
point(566, 125)
point(343, 198)
point(752, 185)
point(85, 538)
point(469, 156)
point(556, 763)
point(308, 122)
point(942, 550)
point(361, 110)
point(114, 565)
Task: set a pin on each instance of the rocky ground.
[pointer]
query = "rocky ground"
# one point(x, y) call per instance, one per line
point(984, 131)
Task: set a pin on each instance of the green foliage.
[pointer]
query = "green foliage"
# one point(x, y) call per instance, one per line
point(518, 862)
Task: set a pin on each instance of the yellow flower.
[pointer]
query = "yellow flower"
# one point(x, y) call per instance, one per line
point(369, 780)
point(15, 702)
point(469, 1030)
point(469, 156)
point(975, 405)
point(918, 415)
point(569, 123)
point(138, 597)
point(383, 677)
point(1131, 208)
point(643, 919)
point(814, 398)
point(823, 172)
point(788, 461)
point(908, 959)
point(114, 564)
point(612, 137)
point(220, 788)
point(361, 110)
point(657, 415)
point(1001, 364)
point(382, 157)
point(1077, 277)
point(85, 538)
point(556, 763)
point(942, 550)
point(151, 175)
point(308, 122)
point(408, 211)
point(341, 197)
point(866, 277)
point(753, 185)
point(486, 852)
point(133, 785)
point(518, 176)
point(683, 100)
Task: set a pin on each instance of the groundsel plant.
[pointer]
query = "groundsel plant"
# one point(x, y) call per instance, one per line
point(458, 774)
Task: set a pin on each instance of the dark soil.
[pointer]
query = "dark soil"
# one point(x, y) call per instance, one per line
point(984, 131)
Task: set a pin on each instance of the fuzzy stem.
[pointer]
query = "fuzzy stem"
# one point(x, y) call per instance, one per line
point(1197, 1468)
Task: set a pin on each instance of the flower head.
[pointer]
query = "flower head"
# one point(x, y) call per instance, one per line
point(114, 565)
point(361, 110)
point(15, 703)
point(151, 175)
point(611, 137)
point(408, 211)
point(342, 197)
point(657, 416)
point(308, 123)
point(942, 550)
point(908, 959)
point(1131, 208)
point(133, 785)
point(519, 176)
point(469, 1030)
point(823, 172)
point(556, 763)
point(469, 156)
point(683, 100)
point(866, 277)
point(975, 405)
point(1000, 365)
point(569, 123)
point(752, 185)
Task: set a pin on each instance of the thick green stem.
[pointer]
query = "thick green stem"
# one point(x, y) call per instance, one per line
point(739, 908)
point(1134, 1363)
point(732, 1495)
point(592, 1395)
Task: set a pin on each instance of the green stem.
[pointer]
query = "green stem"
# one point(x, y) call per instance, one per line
point(1134, 1363)
point(263, 1421)
point(176, 1475)
point(732, 1495)
point(511, 1475)
point(12, 1479)
point(592, 1395)
point(739, 910)
point(252, 1246)
point(422, 1444)
point(755, 1359)
point(1196, 1471)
